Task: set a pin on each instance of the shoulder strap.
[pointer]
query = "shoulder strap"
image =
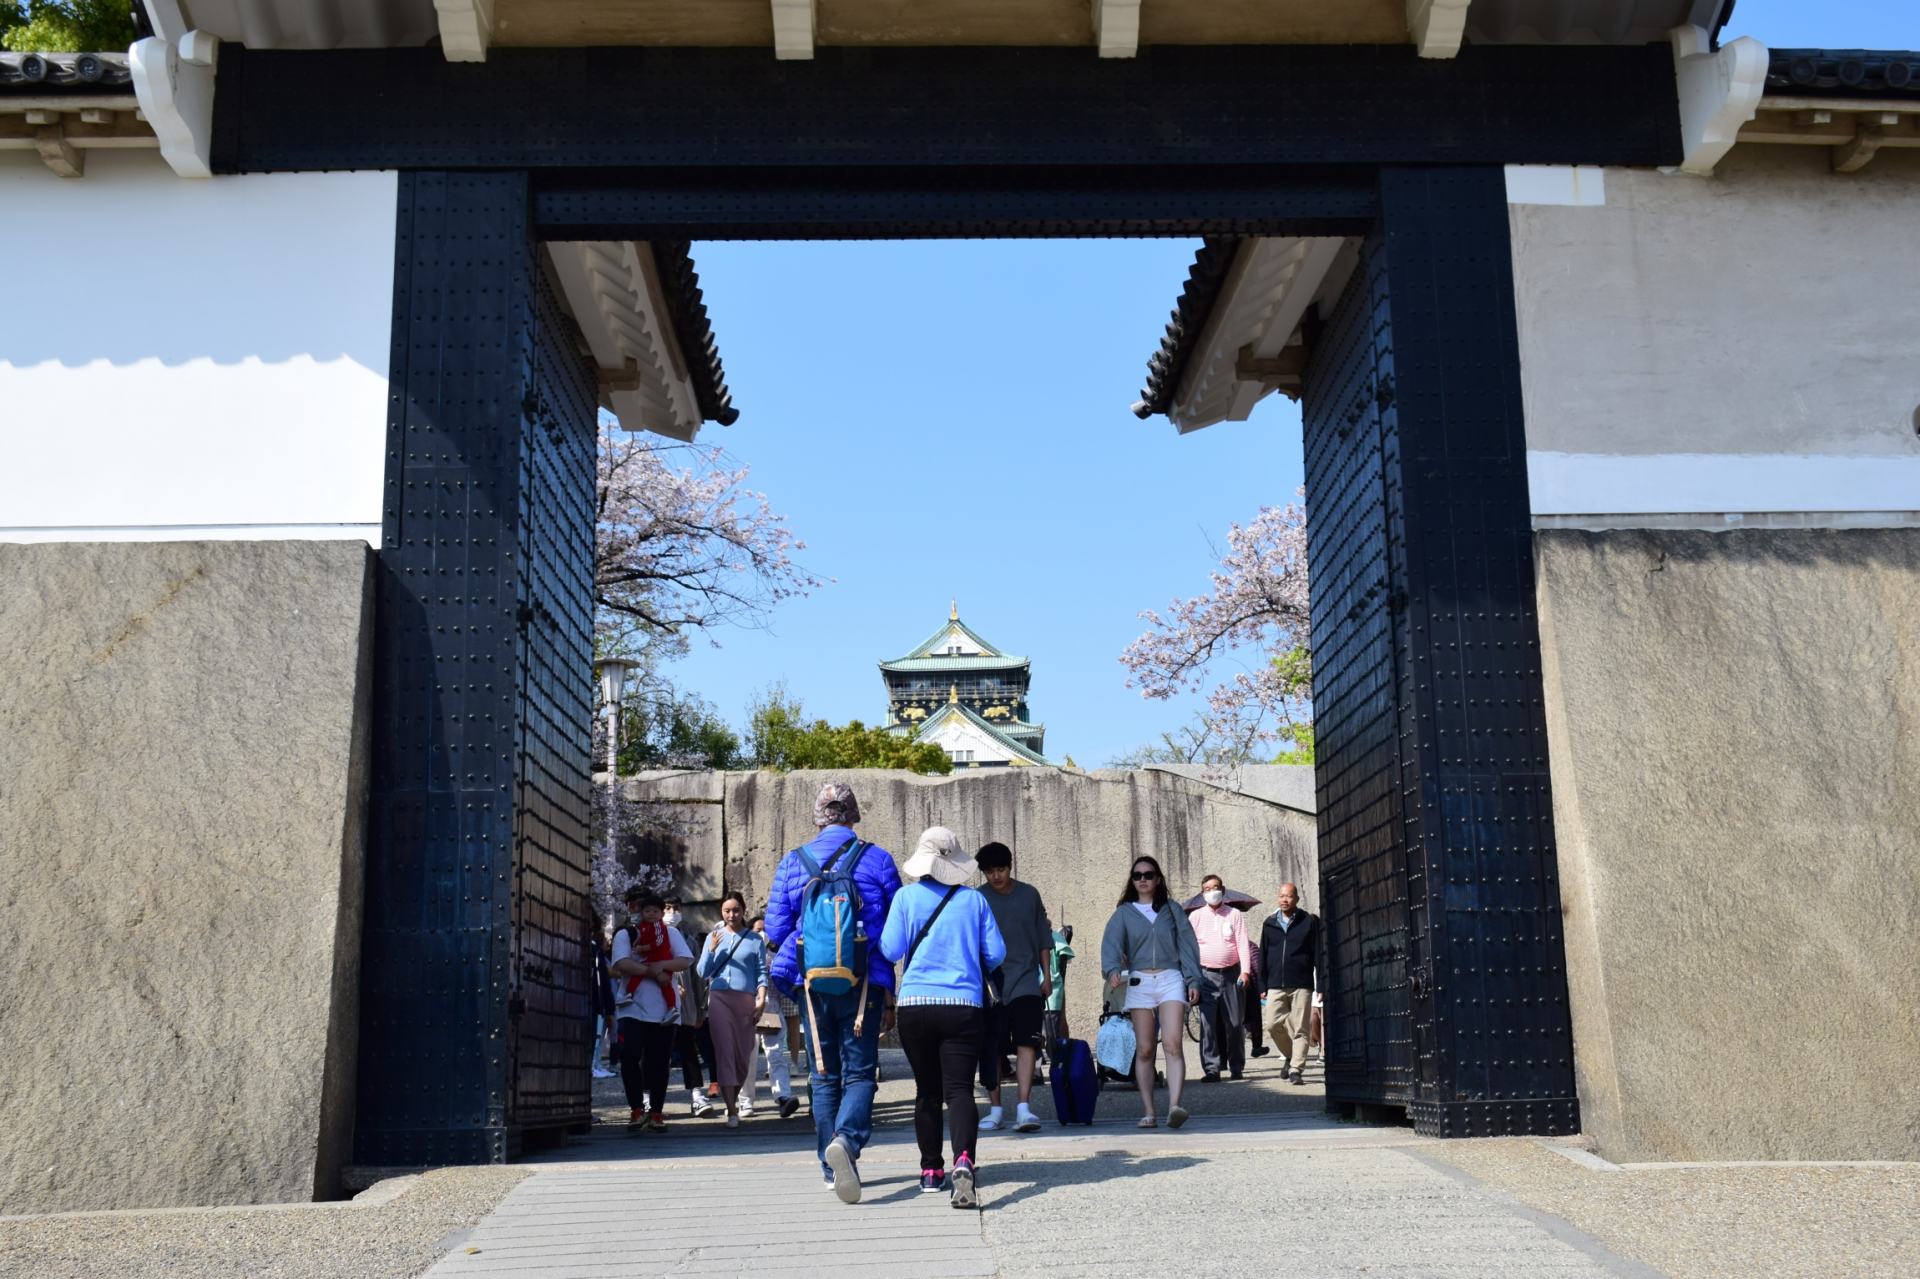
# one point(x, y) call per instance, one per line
point(807, 863)
point(926, 927)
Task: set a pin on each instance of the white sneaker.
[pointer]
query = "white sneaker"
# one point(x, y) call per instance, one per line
point(994, 1121)
point(746, 1109)
point(701, 1106)
point(1025, 1120)
point(601, 1072)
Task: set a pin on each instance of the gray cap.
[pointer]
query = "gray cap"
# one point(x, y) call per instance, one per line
point(836, 806)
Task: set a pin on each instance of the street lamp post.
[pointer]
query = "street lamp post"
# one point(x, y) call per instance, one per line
point(613, 687)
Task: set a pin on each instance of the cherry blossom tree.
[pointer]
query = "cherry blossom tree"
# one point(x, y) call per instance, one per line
point(683, 545)
point(1254, 619)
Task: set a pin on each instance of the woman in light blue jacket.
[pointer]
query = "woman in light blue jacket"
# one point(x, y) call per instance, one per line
point(945, 938)
point(734, 965)
point(1150, 949)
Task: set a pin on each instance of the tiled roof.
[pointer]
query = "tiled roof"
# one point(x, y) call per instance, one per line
point(75, 73)
point(925, 647)
point(1866, 73)
point(694, 330)
point(1169, 363)
point(979, 662)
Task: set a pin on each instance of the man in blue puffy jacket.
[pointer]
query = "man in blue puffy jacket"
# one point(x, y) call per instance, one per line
point(843, 1058)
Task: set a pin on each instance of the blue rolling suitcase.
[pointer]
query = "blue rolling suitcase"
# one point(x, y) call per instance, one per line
point(1075, 1085)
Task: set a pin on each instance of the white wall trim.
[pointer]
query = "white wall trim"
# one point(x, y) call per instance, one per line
point(1579, 484)
point(466, 28)
point(1437, 26)
point(1565, 184)
point(793, 26)
point(1719, 92)
point(1116, 28)
point(368, 533)
point(174, 82)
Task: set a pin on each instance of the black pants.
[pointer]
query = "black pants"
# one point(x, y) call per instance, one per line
point(1221, 1041)
point(646, 1050)
point(696, 1045)
point(942, 1042)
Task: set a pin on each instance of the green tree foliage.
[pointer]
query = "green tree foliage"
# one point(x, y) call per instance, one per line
point(681, 732)
point(66, 26)
point(1300, 747)
point(780, 737)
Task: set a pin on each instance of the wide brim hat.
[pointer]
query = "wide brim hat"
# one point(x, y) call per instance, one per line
point(938, 856)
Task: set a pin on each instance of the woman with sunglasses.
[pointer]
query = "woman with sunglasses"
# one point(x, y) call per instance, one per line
point(1149, 948)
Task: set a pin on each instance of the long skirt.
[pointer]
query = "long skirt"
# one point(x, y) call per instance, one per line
point(731, 1015)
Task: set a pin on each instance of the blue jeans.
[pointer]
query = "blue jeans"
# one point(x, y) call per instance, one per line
point(843, 1096)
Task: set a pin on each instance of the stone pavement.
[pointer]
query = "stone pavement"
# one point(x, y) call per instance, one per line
point(1108, 1200)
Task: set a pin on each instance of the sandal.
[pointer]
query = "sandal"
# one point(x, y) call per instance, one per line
point(1148, 1121)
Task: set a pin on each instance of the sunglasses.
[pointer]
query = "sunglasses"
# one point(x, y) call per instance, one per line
point(1146, 874)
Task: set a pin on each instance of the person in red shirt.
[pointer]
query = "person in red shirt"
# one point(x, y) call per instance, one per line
point(1225, 965)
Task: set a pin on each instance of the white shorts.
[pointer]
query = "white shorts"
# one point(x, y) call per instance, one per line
point(1164, 987)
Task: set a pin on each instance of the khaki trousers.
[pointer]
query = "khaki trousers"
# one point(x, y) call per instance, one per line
point(1289, 1013)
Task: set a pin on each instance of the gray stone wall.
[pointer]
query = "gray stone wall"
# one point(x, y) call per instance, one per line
point(1074, 836)
point(183, 744)
point(1734, 722)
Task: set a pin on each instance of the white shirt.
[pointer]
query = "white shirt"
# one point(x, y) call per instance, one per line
point(648, 1002)
point(1145, 908)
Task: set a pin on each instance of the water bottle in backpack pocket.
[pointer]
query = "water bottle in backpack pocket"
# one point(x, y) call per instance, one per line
point(832, 936)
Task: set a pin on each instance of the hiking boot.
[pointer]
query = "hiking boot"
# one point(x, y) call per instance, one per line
point(963, 1196)
point(846, 1173)
point(932, 1180)
point(788, 1105)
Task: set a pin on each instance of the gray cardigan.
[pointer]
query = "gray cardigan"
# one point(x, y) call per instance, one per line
point(1133, 943)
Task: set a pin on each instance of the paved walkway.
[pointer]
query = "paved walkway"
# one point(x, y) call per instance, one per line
point(1207, 1200)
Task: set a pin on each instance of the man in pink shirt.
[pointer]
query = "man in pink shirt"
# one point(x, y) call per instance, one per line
point(1225, 962)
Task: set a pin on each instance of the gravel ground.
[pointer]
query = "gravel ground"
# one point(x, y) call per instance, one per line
point(300, 1241)
point(1706, 1223)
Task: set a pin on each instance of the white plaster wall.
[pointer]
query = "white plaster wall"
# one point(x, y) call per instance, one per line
point(194, 359)
point(1735, 346)
point(958, 735)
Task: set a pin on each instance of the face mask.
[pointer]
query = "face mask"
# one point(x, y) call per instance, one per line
point(671, 919)
point(1214, 896)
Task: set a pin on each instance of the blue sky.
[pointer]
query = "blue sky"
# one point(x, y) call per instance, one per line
point(950, 420)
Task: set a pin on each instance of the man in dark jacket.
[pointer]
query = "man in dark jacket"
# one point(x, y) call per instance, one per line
point(1292, 962)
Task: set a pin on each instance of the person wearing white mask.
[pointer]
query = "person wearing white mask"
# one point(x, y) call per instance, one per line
point(943, 935)
point(1225, 964)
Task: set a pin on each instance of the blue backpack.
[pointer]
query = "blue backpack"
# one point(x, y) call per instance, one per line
point(832, 936)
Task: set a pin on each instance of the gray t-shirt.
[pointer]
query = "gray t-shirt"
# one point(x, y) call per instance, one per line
point(1028, 933)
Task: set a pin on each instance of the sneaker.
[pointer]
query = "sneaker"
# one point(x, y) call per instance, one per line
point(846, 1173)
point(932, 1180)
point(746, 1109)
point(702, 1107)
point(1211, 1077)
point(1299, 1077)
point(657, 1121)
point(1234, 1074)
point(713, 1089)
point(601, 1072)
point(1176, 1116)
point(733, 1120)
point(636, 1122)
point(993, 1121)
point(829, 1177)
point(788, 1105)
point(963, 1196)
point(1262, 1051)
point(1026, 1121)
